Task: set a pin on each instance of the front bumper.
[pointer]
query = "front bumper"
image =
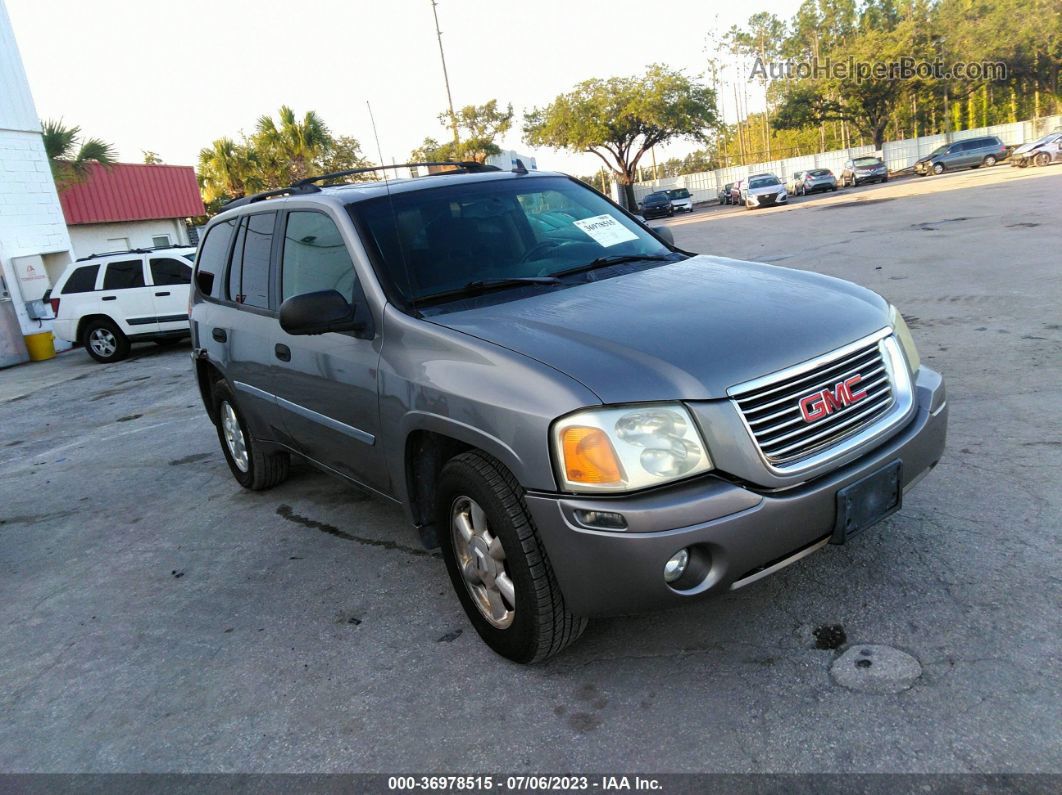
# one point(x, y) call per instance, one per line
point(743, 534)
point(766, 200)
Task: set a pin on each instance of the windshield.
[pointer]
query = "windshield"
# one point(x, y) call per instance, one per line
point(445, 238)
point(679, 193)
point(763, 182)
point(820, 172)
point(656, 197)
point(939, 150)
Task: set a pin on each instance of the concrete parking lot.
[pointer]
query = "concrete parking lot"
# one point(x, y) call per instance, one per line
point(156, 617)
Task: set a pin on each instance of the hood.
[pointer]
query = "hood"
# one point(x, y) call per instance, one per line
point(1027, 147)
point(765, 189)
point(686, 330)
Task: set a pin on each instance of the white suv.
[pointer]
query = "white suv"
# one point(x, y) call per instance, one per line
point(108, 301)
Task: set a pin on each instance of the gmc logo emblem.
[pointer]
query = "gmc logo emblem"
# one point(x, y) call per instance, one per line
point(823, 404)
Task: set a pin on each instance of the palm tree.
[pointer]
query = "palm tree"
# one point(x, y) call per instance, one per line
point(70, 157)
point(292, 146)
point(228, 170)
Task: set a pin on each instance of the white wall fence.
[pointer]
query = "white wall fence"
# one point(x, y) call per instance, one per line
point(898, 155)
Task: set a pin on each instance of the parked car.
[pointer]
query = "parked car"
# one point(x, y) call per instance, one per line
point(970, 153)
point(816, 179)
point(1040, 152)
point(864, 169)
point(587, 421)
point(736, 196)
point(724, 193)
point(657, 205)
point(681, 201)
point(795, 182)
point(108, 301)
point(763, 190)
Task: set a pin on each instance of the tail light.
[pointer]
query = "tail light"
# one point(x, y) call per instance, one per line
point(55, 306)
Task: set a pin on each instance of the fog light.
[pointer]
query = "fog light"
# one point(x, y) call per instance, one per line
point(604, 519)
point(675, 567)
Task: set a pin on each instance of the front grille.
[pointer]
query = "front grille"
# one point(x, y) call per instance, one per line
point(773, 414)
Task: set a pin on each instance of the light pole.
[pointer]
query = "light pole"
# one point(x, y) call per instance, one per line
point(446, 77)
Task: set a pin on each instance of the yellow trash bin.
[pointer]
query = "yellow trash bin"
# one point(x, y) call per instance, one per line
point(40, 346)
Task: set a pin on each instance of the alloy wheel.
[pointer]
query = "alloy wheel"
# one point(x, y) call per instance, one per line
point(481, 559)
point(234, 438)
point(103, 342)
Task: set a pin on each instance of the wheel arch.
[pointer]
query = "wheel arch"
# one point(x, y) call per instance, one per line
point(206, 373)
point(83, 323)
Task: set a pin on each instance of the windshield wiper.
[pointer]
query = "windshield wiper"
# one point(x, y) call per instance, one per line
point(614, 259)
point(486, 285)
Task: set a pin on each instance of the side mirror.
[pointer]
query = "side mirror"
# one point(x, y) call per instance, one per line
point(317, 313)
point(665, 233)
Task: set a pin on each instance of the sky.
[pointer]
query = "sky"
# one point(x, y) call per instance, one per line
point(171, 77)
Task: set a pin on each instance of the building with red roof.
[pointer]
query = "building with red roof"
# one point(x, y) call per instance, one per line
point(131, 205)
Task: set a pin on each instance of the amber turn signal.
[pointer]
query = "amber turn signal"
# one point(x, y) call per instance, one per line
point(589, 456)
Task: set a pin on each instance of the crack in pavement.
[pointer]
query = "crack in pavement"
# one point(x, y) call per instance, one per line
point(285, 512)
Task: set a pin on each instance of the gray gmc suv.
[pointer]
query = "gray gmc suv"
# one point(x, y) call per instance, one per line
point(585, 418)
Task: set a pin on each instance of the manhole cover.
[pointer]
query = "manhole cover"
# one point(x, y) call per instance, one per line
point(875, 669)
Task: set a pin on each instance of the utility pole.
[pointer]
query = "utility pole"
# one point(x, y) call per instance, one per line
point(446, 77)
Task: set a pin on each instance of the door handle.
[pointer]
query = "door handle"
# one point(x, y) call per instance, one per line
point(283, 352)
point(161, 294)
point(219, 334)
point(109, 298)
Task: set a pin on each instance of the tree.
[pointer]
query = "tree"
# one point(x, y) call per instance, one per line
point(151, 158)
point(277, 154)
point(481, 126)
point(868, 102)
point(622, 118)
point(343, 154)
point(228, 170)
point(761, 40)
point(70, 156)
point(289, 148)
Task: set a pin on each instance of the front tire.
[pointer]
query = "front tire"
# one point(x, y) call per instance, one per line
point(497, 563)
point(252, 467)
point(938, 168)
point(1042, 159)
point(104, 341)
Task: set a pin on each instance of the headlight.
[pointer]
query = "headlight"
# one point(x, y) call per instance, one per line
point(627, 448)
point(903, 334)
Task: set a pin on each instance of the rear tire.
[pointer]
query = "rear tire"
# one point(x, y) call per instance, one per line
point(252, 467)
point(989, 161)
point(104, 341)
point(497, 563)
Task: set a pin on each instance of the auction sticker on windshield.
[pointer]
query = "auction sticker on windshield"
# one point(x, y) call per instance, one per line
point(606, 230)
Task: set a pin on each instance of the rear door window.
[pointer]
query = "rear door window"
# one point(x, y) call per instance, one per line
point(124, 275)
point(249, 273)
point(170, 271)
point(82, 280)
point(213, 255)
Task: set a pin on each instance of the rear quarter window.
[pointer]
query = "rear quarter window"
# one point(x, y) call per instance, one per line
point(213, 254)
point(82, 280)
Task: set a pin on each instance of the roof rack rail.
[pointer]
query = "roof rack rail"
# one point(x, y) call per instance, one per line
point(307, 184)
point(140, 250)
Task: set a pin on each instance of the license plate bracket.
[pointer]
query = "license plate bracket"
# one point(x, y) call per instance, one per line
point(867, 501)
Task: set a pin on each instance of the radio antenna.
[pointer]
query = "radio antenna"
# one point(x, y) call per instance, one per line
point(391, 205)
